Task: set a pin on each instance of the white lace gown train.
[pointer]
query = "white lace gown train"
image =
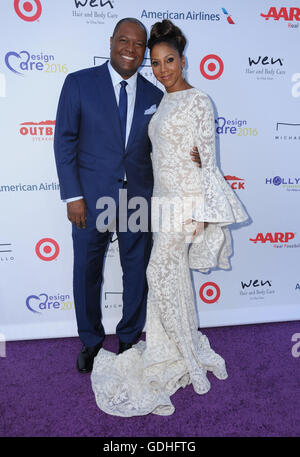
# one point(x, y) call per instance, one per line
point(142, 380)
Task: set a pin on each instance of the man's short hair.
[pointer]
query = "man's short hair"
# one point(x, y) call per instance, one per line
point(130, 19)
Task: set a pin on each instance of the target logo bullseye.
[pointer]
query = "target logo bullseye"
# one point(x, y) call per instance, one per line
point(209, 292)
point(28, 10)
point(47, 249)
point(211, 66)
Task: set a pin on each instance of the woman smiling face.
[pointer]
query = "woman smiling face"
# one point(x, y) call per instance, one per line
point(167, 67)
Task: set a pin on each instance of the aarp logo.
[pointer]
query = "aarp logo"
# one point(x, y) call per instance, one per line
point(29, 11)
point(286, 14)
point(273, 238)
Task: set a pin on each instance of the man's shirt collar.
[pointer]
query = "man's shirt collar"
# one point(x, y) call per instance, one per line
point(117, 78)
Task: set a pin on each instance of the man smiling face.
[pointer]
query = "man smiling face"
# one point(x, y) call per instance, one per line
point(127, 50)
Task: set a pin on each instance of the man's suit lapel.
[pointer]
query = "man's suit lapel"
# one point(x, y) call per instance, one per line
point(138, 111)
point(109, 103)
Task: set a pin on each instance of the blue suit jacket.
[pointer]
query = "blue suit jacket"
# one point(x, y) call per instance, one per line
point(89, 152)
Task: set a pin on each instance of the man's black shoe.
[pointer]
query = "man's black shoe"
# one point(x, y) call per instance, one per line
point(124, 346)
point(86, 357)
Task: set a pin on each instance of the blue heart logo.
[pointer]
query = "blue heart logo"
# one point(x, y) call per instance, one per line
point(35, 297)
point(18, 56)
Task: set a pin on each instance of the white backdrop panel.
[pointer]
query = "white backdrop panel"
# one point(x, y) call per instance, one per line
point(247, 63)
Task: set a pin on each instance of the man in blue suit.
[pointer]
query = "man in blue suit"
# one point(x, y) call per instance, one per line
point(101, 145)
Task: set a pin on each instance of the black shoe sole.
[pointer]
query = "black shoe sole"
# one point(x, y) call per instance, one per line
point(83, 370)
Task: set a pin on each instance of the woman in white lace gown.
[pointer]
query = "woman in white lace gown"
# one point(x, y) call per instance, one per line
point(141, 380)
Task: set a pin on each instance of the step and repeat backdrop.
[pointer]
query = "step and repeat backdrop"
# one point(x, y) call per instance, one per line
point(245, 56)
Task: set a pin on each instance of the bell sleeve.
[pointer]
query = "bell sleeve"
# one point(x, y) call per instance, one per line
point(219, 206)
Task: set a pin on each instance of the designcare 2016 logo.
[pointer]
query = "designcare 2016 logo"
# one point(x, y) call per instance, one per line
point(23, 62)
point(286, 14)
point(38, 131)
point(29, 11)
point(277, 239)
point(43, 302)
point(235, 126)
point(211, 66)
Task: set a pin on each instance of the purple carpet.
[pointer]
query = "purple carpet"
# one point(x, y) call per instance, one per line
point(42, 394)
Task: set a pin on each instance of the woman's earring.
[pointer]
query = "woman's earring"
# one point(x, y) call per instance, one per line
point(183, 72)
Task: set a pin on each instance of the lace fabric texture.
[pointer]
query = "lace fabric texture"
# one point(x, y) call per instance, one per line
point(142, 380)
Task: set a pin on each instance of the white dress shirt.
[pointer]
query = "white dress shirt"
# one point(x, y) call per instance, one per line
point(131, 92)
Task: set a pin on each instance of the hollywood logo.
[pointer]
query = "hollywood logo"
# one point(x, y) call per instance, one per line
point(287, 14)
point(288, 183)
point(277, 237)
point(278, 180)
point(42, 131)
point(235, 182)
point(228, 16)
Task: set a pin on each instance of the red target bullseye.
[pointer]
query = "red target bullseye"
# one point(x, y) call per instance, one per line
point(47, 249)
point(28, 10)
point(209, 292)
point(211, 66)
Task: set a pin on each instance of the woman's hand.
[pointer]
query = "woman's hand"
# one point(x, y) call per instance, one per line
point(196, 156)
point(199, 226)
